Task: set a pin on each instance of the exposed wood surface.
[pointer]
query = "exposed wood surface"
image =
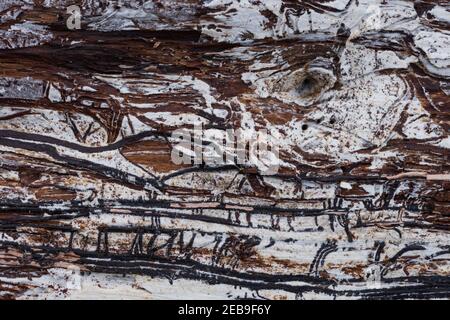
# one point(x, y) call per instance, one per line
point(355, 93)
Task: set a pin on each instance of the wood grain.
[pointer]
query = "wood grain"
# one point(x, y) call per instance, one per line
point(356, 94)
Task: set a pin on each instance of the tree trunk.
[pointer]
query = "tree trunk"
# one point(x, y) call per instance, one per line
point(353, 95)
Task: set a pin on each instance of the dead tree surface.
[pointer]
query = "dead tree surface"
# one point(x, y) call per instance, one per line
point(355, 93)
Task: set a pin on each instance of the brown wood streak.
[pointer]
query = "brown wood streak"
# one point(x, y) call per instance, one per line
point(359, 208)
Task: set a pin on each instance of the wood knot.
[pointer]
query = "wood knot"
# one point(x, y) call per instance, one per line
point(306, 86)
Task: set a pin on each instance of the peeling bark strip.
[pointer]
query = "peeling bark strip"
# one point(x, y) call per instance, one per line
point(355, 93)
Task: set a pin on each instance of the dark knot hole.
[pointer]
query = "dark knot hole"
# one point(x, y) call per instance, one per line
point(307, 86)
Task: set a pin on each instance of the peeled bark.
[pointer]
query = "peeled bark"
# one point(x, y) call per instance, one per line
point(355, 93)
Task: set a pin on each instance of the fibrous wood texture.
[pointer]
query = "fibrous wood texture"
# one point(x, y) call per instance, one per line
point(355, 93)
